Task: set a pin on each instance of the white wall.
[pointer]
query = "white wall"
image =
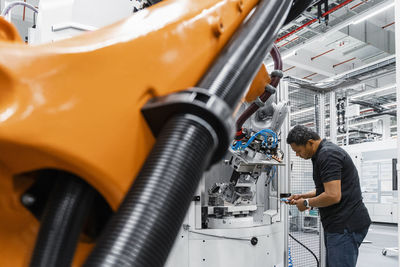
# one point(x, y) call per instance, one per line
point(374, 164)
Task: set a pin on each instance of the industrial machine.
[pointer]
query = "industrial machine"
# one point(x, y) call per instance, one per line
point(236, 217)
point(106, 132)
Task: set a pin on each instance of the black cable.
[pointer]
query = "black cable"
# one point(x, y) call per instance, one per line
point(237, 64)
point(62, 222)
point(297, 8)
point(152, 2)
point(221, 236)
point(306, 248)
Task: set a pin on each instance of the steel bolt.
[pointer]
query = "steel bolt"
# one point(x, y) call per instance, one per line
point(28, 200)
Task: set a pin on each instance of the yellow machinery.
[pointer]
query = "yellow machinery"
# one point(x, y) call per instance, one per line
point(75, 110)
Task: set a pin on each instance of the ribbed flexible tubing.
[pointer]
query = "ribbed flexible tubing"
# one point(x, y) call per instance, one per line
point(148, 220)
point(234, 70)
point(276, 56)
point(297, 8)
point(62, 222)
point(142, 232)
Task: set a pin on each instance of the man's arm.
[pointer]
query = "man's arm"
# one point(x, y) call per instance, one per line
point(310, 194)
point(331, 196)
point(292, 199)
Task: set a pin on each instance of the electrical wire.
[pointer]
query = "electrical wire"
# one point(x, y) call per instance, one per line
point(221, 236)
point(306, 248)
point(239, 146)
point(270, 177)
point(10, 6)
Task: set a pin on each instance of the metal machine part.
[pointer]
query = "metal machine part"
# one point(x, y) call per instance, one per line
point(210, 110)
point(242, 202)
point(239, 199)
point(239, 193)
point(271, 116)
point(252, 162)
point(245, 200)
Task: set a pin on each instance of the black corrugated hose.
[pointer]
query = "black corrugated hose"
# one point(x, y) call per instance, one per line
point(151, 214)
point(297, 8)
point(240, 60)
point(142, 232)
point(62, 222)
point(152, 2)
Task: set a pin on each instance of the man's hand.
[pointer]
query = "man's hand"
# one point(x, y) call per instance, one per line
point(300, 204)
point(293, 198)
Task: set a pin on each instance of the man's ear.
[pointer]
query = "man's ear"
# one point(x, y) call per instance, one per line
point(312, 142)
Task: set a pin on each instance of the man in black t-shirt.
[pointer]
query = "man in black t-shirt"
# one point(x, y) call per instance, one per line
point(337, 194)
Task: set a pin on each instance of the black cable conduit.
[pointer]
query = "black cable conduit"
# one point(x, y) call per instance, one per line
point(62, 221)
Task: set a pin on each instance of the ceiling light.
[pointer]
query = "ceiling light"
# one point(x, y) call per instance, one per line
point(373, 91)
point(289, 55)
point(362, 123)
point(302, 111)
point(373, 13)
point(389, 105)
point(270, 64)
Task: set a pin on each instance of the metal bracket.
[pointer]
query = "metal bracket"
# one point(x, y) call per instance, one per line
point(259, 102)
point(270, 89)
point(277, 73)
point(73, 26)
point(210, 110)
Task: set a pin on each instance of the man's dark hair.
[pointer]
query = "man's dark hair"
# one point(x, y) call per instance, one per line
point(300, 135)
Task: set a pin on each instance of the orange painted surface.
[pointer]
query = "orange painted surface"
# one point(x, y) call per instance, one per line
point(8, 32)
point(257, 87)
point(75, 104)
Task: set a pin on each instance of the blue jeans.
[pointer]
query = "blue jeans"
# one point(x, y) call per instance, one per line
point(342, 248)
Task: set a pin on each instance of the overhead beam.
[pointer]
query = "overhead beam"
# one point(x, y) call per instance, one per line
point(337, 27)
point(372, 34)
point(303, 60)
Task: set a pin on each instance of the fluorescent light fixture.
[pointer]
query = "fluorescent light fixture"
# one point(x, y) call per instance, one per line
point(388, 105)
point(373, 13)
point(363, 123)
point(270, 64)
point(373, 91)
point(289, 54)
point(343, 135)
point(302, 111)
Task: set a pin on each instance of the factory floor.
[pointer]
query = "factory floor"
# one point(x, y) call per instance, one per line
point(379, 236)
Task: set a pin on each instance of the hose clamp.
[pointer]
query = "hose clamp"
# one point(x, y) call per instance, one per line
point(270, 89)
point(277, 73)
point(211, 111)
point(259, 102)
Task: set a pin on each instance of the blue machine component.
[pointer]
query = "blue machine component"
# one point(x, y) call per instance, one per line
point(264, 133)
